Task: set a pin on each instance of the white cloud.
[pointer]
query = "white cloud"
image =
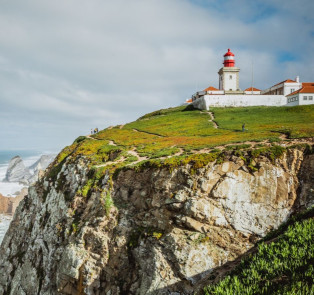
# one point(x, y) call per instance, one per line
point(67, 66)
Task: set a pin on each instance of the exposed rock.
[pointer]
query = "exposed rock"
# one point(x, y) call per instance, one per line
point(43, 162)
point(166, 233)
point(17, 172)
point(39, 166)
point(8, 205)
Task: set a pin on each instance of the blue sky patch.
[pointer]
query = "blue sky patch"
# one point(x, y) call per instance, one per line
point(285, 56)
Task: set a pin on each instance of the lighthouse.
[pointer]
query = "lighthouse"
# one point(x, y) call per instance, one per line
point(229, 75)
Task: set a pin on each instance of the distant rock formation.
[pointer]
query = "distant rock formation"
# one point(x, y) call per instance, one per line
point(17, 172)
point(39, 166)
point(43, 162)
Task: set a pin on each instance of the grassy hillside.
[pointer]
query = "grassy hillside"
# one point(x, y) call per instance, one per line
point(191, 129)
point(282, 265)
point(183, 135)
point(167, 132)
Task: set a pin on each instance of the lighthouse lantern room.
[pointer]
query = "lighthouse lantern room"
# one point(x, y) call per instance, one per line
point(229, 75)
point(229, 59)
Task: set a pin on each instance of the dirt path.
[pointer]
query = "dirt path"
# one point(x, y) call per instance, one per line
point(134, 153)
point(150, 133)
point(212, 119)
point(111, 142)
point(122, 159)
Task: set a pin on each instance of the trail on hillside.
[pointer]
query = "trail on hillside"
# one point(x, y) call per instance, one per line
point(212, 119)
point(150, 133)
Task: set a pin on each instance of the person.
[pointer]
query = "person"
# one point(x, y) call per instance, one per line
point(243, 127)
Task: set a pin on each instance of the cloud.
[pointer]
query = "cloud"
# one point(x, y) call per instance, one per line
point(68, 66)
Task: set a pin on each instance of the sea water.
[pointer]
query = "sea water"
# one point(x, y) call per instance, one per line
point(11, 188)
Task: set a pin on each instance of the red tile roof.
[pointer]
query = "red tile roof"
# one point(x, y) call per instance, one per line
point(252, 89)
point(211, 88)
point(189, 100)
point(306, 84)
point(307, 88)
point(286, 81)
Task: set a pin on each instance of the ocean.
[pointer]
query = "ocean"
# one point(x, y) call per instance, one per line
point(11, 188)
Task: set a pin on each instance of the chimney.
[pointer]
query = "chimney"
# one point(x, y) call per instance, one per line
point(297, 79)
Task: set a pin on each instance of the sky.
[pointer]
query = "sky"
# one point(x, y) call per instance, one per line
point(67, 66)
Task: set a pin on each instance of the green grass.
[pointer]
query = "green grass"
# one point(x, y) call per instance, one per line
point(283, 266)
point(163, 133)
point(190, 129)
point(265, 122)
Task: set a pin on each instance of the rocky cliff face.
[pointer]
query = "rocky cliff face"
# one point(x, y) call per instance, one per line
point(152, 231)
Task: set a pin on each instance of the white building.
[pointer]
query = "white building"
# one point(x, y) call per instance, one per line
point(284, 88)
point(302, 96)
point(229, 93)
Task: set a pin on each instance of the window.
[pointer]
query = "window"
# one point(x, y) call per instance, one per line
point(289, 100)
point(304, 97)
point(310, 97)
point(292, 90)
point(230, 77)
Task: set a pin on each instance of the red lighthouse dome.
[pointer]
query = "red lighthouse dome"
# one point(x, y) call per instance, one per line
point(229, 59)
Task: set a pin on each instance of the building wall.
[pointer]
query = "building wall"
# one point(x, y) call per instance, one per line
point(230, 81)
point(229, 78)
point(293, 100)
point(300, 99)
point(309, 98)
point(207, 101)
point(291, 87)
point(283, 88)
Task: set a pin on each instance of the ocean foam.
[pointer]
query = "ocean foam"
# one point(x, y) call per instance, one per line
point(11, 188)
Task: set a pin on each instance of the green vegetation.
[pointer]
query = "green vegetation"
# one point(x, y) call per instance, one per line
point(167, 138)
point(283, 265)
point(107, 202)
point(165, 133)
point(265, 122)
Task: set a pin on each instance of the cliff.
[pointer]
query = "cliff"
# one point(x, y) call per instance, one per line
point(150, 231)
point(103, 220)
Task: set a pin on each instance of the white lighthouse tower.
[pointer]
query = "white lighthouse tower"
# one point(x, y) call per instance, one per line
point(229, 75)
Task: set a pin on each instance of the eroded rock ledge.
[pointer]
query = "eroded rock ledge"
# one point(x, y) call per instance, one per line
point(155, 231)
